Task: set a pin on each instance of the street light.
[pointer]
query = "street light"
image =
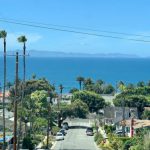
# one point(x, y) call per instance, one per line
point(48, 121)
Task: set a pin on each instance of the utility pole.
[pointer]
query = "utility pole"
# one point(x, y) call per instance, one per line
point(4, 94)
point(4, 88)
point(132, 129)
point(15, 105)
point(123, 116)
point(48, 123)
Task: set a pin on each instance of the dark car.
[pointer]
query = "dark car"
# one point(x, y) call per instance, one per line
point(89, 131)
point(119, 132)
point(63, 132)
point(65, 125)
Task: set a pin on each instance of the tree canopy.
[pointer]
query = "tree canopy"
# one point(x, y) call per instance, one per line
point(94, 101)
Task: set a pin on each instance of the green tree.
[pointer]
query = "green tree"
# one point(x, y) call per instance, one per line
point(61, 89)
point(88, 84)
point(94, 101)
point(38, 106)
point(140, 84)
point(79, 108)
point(138, 101)
point(100, 82)
point(130, 86)
point(146, 115)
point(27, 143)
point(80, 80)
point(22, 39)
point(73, 90)
point(121, 86)
point(109, 89)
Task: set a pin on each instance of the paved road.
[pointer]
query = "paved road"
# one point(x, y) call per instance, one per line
point(76, 139)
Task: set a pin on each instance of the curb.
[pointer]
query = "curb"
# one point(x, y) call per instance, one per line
point(54, 143)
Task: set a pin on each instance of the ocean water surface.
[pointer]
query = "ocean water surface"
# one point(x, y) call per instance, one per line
point(65, 70)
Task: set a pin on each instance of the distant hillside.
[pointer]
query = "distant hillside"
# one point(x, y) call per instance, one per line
point(35, 53)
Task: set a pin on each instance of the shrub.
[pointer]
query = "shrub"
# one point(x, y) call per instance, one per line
point(115, 144)
point(137, 147)
point(98, 138)
point(109, 129)
point(27, 143)
point(128, 144)
point(55, 129)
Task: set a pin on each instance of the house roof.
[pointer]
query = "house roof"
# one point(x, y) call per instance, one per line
point(138, 123)
point(6, 94)
point(147, 108)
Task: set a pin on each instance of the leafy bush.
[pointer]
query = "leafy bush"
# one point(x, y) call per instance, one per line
point(123, 139)
point(116, 144)
point(98, 138)
point(109, 129)
point(137, 147)
point(27, 143)
point(37, 139)
point(55, 129)
point(128, 144)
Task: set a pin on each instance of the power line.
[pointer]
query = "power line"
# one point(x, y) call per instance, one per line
point(73, 31)
point(78, 28)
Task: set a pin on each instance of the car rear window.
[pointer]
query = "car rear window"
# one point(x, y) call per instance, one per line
point(89, 129)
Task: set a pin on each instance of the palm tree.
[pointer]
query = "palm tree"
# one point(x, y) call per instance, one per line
point(61, 90)
point(3, 35)
point(59, 111)
point(80, 80)
point(121, 86)
point(22, 39)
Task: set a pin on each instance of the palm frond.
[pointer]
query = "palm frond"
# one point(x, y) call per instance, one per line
point(22, 39)
point(3, 34)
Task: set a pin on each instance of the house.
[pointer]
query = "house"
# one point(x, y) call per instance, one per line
point(113, 115)
point(66, 98)
point(6, 97)
point(131, 125)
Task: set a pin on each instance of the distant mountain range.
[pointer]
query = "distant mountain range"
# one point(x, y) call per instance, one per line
point(35, 53)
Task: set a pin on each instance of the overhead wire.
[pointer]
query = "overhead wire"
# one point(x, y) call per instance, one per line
point(78, 28)
point(73, 31)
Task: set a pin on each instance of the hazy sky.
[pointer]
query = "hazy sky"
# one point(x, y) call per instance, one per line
point(129, 16)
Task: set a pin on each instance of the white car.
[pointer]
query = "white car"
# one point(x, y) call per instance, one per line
point(59, 136)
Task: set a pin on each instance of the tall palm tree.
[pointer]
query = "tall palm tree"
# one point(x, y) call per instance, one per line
point(59, 113)
point(61, 90)
point(22, 39)
point(121, 86)
point(3, 35)
point(80, 80)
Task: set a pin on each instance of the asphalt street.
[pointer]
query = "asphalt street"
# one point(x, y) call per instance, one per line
point(76, 139)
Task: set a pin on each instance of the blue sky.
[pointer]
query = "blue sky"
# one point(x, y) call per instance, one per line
point(129, 16)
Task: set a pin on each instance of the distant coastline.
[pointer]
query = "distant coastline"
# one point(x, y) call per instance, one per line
point(35, 53)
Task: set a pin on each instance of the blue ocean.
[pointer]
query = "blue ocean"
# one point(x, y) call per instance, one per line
point(65, 70)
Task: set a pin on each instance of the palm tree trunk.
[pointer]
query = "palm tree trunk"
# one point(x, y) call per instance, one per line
point(23, 88)
point(4, 94)
point(80, 84)
point(15, 106)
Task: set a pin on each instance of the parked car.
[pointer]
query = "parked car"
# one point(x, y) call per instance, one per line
point(65, 125)
point(89, 131)
point(119, 132)
point(59, 136)
point(63, 132)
